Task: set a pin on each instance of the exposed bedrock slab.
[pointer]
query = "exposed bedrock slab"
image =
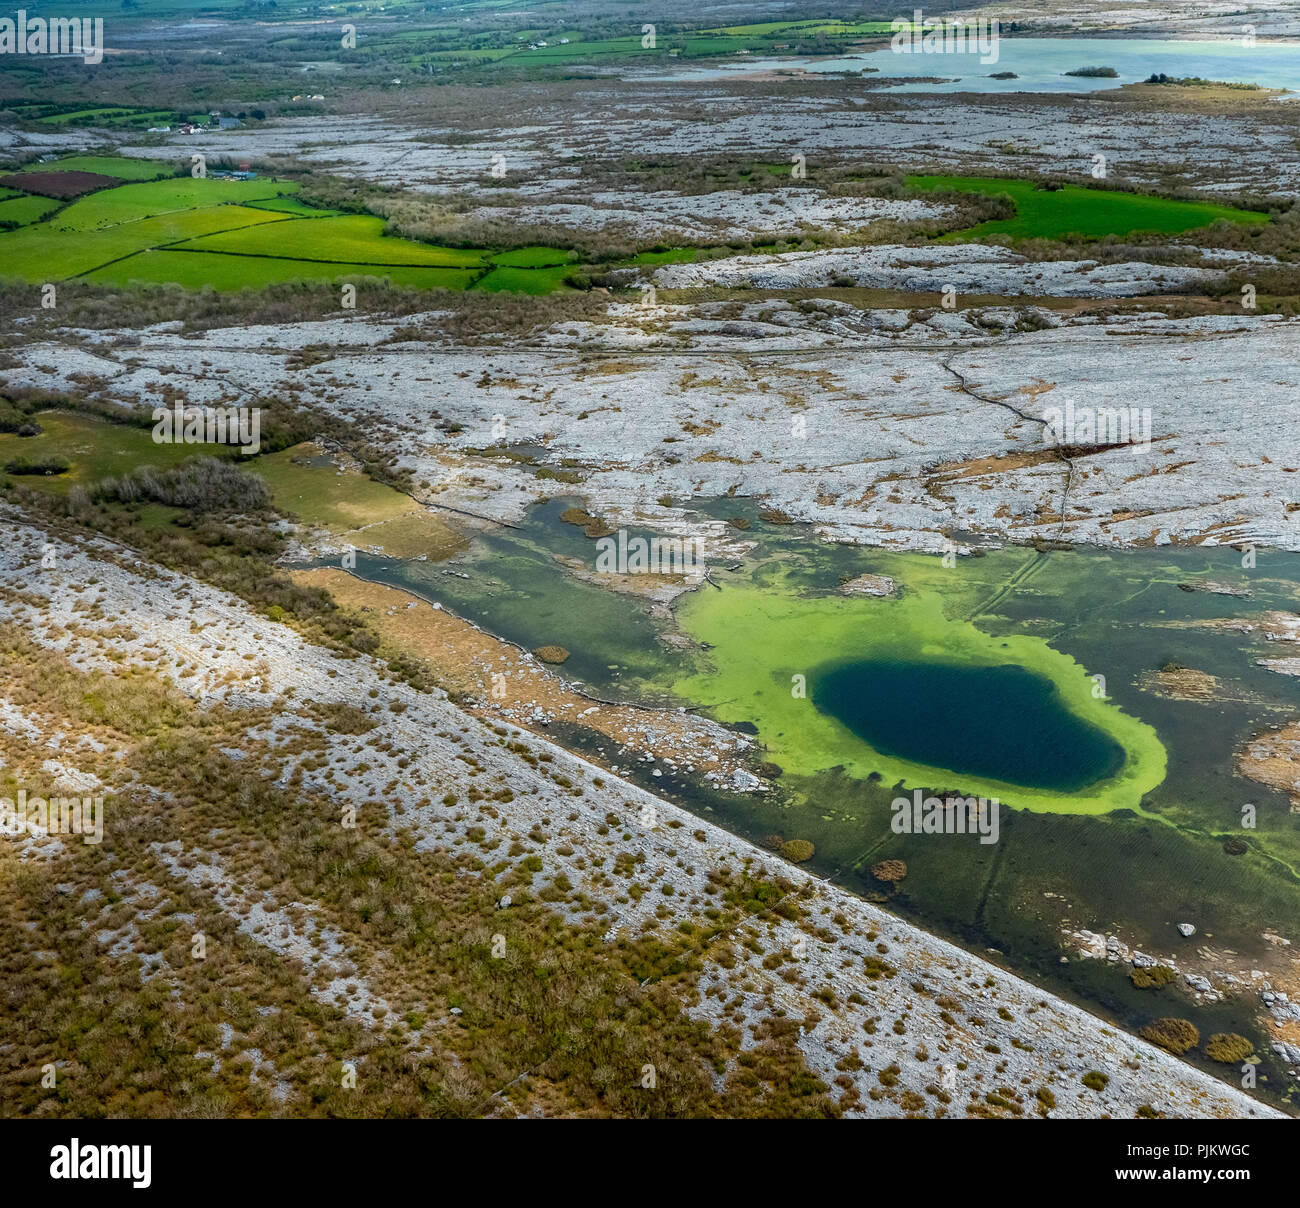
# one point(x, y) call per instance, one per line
point(887, 438)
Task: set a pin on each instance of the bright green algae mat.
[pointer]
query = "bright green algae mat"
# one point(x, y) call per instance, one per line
point(1094, 213)
point(762, 637)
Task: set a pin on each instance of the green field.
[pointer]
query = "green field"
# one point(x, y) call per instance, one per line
point(451, 46)
point(230, 235)
point(1091, 213)
point(524, 280)
point(672, 255)
point(96, 448)
point(217, 270)
point(354, 239)
point(107, 165)
point(99, 116)
point(291, 205)
point(24, 210)
point(533, 257)
point(93, 448)
point(46, 252)
point(112, 117)
point(129, 203)
point(313, 489)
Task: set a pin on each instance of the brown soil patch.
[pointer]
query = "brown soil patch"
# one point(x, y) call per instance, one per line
point(58, 184)
point(993, 465)
point(1273, 758)
point(1182, 683)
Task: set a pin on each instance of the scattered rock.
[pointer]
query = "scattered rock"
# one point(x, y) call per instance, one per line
point(869, 585)
point(1217, 588)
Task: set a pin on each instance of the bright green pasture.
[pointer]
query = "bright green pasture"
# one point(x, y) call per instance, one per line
point(291, 205)
point(1092, 213)
point(107, 165)
point(85, 115)
point(197, 233)
point(524, 280)
point(354, 239)
point(27, 209)
point(46, 252)
point(533, 257)
point(217, 270)
point(127, 203)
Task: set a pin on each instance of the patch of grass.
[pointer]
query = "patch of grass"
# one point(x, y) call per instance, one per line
point(318, 494)
point(90, 449)
point(19, 211)
point(524, 280)
point(1228, 1047)
point(352, 239)
point(216, 270)
point(1153, 977)
point(1176, 1035)
point(291, 205)
point(123, 167)
point(533, 257)
point(131, 202)
point(46, 252)
point(1075, 211)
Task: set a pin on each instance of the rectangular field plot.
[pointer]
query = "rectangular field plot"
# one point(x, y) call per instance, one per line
point(355, 239)
point(106, 165)
point(45, 252)
point(199, 270)
point(1093, 213)
point(23, 210)
point(534, 257)
point(291, 205)
point(524, 280)
point(147, 198)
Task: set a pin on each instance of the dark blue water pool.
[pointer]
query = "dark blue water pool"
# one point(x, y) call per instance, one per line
point(1003, 723)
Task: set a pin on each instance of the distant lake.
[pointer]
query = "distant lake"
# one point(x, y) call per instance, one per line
point(1040, 64)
